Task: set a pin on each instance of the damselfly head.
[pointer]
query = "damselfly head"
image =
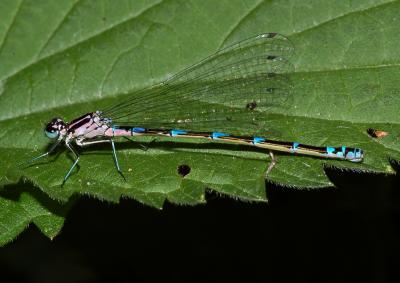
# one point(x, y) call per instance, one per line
point(54, 127)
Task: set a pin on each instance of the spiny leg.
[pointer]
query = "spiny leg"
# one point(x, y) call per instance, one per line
point(69, 146)
point(113, 149)
point(272, 164)
point(144, 147)
point(116, 159)
point(53, 147)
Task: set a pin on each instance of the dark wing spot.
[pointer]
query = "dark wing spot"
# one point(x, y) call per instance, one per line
point(183, 170)
point(251, 105)
point(271, 57)
point(271, 34)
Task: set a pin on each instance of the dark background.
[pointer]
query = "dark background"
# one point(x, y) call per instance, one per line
point(344, 234)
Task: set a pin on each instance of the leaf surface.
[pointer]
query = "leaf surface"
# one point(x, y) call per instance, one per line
point(67, 58)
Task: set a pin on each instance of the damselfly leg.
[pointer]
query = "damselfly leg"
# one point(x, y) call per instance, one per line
point(69, 146)
point(52, 148)
point(86, 143)
point(144, 147)
point(272, 164)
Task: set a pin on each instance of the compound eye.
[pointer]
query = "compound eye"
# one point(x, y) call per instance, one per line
point(53, 134)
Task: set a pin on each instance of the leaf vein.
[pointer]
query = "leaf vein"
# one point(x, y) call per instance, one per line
point(11, 25)
point(239, 21)
point(341, 16)
point(125, 20)
point(57, 28)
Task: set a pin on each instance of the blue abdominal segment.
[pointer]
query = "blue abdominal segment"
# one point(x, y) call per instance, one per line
point(175, 133)
point(258, 140)
point(138, 130)
point(330, 150)
point(216, 135)
point(295, 146)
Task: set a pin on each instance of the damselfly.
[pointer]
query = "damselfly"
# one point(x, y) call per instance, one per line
point(208, 100)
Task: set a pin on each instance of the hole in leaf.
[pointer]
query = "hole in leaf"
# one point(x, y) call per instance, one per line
point(184, 170)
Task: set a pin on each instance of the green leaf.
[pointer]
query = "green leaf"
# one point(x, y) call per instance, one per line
point(89, 54)
point(20, 205)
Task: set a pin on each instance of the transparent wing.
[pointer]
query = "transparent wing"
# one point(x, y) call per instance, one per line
point(227, 90)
